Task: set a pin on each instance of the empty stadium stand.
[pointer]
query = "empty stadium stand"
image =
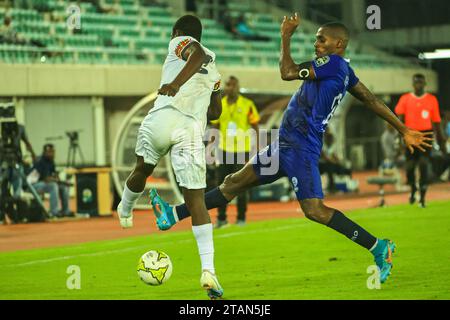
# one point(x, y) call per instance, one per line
point(136, 34)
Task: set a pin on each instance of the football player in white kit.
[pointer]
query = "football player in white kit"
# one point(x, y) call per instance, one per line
point(189, 91)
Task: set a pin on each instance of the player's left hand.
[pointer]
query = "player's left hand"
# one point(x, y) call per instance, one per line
point(169, 89)
point(416, 139)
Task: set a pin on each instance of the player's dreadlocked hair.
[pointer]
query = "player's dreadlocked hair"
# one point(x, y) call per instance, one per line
point(189, 25)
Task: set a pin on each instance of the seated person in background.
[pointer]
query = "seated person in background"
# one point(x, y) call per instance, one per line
point(229, 23)
point(8, 34)
point(241, 29)
point(330, 163)
point(48, 182)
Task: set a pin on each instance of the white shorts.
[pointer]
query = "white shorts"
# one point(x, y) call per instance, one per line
point(167, 129)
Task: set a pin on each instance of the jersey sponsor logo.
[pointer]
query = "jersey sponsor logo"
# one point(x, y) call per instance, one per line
point(217, 86)
point(322, 61)
point(181, 46)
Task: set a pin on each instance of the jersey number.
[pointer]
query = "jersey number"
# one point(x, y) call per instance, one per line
point(336, 102)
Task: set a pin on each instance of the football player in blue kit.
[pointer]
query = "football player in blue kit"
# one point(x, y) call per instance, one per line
point(326, 80)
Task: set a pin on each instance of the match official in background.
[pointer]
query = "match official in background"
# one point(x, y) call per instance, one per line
point(239, 114)
point(419, 110)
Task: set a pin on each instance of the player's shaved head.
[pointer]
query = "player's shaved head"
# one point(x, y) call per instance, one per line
point(188, 25)
point(338, 31)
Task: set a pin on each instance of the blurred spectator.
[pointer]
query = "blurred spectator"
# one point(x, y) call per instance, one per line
point(191, 6)
point(330, 163)
point(48, 182)
point(17, 173)
point(239, 114)
point(240, 29)
point(390, 144)
point(229, 22)
point(8, 34)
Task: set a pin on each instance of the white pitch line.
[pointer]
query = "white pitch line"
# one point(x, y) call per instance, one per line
point(102, 253)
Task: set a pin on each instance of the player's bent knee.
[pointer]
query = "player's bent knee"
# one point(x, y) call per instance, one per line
point(194, 200)
point(315, 210)
point(144, 169)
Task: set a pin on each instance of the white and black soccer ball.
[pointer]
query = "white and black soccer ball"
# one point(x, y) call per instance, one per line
point(154, 267)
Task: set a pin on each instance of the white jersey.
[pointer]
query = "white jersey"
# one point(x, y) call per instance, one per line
point(193, 98)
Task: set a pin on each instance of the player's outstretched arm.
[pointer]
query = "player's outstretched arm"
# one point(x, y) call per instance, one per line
point(289, 70)
point(195, 56)
point(413, 139)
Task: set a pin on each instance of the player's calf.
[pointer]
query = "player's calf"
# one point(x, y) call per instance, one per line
point(134, 186)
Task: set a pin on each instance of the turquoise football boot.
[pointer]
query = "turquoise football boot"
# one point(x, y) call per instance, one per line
point(383, 258)
point(162, 211)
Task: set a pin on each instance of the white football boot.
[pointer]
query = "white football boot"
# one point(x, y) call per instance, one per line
point(209, 282)
point(126, 220)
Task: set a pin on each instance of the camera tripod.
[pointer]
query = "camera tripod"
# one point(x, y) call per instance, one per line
point(74, 146)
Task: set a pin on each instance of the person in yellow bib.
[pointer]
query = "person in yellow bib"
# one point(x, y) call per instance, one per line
point(238, 125)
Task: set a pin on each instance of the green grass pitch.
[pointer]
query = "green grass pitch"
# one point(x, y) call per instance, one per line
point(278, 259)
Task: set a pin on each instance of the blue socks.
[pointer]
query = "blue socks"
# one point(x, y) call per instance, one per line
point(213, 199)
point(351, 230)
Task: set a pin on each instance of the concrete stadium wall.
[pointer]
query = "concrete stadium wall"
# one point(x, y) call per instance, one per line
point(95, 80)
point(48, 119)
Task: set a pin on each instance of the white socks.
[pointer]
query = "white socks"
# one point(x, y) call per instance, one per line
point(175, 213)
point(204, 236)
point(129, 199)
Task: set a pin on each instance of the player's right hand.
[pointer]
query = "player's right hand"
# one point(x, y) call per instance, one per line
point(416, 139)
point(289, 25)
point(169, 89)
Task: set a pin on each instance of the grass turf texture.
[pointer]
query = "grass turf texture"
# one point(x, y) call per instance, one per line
point(277, 259)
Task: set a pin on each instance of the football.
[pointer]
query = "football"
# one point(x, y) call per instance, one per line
point(154, 267)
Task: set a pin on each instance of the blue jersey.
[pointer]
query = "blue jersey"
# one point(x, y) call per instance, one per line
point(312, 106)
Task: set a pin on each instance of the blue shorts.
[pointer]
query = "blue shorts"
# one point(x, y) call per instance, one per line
point(300, 166)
